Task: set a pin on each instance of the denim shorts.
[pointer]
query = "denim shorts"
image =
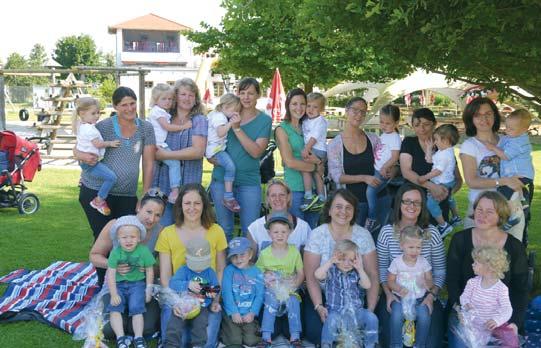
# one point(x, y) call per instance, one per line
point(131, 293)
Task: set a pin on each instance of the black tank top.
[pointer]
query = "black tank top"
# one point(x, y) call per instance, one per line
point(359, 164)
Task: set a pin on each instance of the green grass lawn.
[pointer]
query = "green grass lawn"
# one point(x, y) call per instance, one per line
point(59, 231)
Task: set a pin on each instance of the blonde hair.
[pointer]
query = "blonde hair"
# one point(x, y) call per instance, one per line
point(198, 107)
point(413, 232)
point(317, 96)
point(494, 258)
point(159, 90)
point(500, 205)
point(82, 104)
point(523, 115)
point(227, 99)
point(345, 245)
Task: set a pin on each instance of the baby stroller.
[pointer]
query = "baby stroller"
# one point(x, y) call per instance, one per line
point(19, 161)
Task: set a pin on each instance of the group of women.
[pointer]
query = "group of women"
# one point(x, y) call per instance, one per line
point(350, 163)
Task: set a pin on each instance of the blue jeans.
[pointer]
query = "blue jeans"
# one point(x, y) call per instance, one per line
point(422, 324)
point(365, 320)
point(433, 205)
point(270, 309)
point(453, 340)
point(175, 178)
point(372, 195)
point(168, 217)
point(103, 172)
point(382, 213)
point(249, 198)
point(224, 160)
point(213, 328)
point(131, 294)
point(312, 218)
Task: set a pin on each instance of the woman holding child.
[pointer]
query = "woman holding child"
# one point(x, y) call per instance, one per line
point(187, 146)
point(490, 212)
point(410, 210)
point(246, 141)
point(194, 219)
point(340, 213)
point(290, 142)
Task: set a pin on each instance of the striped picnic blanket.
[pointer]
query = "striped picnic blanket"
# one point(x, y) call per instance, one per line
point(57, 293)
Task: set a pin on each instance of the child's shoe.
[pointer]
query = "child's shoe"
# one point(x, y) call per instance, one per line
point(139, 342)
point(371, 225)
point(102, 206)
point(318, 205)
point(307, 203)
point(295, 344)
point(232, 205)
point(512, 221)
point(123, 342)
point(455, 221)
point(173, 195)
point(264, 344)
point(445, 229)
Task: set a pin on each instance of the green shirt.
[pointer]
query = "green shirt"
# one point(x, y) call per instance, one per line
point(247, 167)
point(139, 257)
point(292, 177)
point(287, 266)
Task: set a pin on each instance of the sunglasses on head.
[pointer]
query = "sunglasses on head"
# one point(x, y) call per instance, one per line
point(156, 193)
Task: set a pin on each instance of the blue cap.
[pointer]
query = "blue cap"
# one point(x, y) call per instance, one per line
point(239, 245)
point(278, 216)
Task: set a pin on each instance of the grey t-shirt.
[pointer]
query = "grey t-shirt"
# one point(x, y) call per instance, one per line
point(123, 160)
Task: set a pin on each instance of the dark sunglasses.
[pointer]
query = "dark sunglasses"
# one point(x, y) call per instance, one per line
point(156, 193)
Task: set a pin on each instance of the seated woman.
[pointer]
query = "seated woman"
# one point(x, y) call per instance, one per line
point(490, 212)
point(340, 213)
point(149, 212)
point(194, 218)
point(410, 210)
point(278, 200)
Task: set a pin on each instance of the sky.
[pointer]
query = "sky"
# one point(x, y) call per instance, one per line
point(25, 23)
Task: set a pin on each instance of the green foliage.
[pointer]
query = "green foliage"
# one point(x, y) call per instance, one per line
point(485, 42)
point(36, 60)
point(259, 36)
point(17, 61)
point(74, 50)
point(104, 93)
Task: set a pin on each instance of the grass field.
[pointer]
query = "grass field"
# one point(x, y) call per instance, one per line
point(59, 231)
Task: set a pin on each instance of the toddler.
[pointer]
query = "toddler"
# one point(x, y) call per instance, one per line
point(489, 297)
point(385, 156)
point(161, 101)
point(242, 294)
point(89, 139)
point(283, 268)
point(129, 289)
point(345, 281)
point(219, 125)
point(410, 275)
point(314, 130)
point(443, 171)
point(515, 152)
point(201, 280)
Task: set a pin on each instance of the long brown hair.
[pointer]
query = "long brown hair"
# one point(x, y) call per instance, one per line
point(423, 218)
point(198, 108)
point(207, 215)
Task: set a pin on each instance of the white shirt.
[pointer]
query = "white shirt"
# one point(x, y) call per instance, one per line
point(315, 128)
point(488, 163)
point(444, 161)
point(388, 142)
point(155, 114)
point(411, 277)
point(260, 235)
point(215, 144)
point(87, 132)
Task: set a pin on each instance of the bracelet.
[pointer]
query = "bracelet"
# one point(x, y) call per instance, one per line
point(236, 129)
point(317, 306)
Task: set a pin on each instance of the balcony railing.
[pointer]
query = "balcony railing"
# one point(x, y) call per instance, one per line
point(151, 46)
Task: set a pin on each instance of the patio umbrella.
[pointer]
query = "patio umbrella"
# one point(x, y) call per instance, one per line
point(275, 106)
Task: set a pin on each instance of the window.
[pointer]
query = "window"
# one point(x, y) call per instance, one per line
point(149, 84)
point(219, 88)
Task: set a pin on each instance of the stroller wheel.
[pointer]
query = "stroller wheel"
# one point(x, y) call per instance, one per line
point(28, 203)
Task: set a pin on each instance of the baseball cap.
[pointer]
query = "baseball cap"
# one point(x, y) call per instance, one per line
point(238, 246)
point(198, 254)
point(278, 216)
point(126, 220)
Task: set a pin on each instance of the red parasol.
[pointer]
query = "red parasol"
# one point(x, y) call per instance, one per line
point(276, 98)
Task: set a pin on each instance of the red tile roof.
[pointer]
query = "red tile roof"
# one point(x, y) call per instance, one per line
point(149, 22)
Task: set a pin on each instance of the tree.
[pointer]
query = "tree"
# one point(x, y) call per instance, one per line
point(36, 60)
point(259, 36)
point(486, 42)
point(74, 50)
point(17, 61)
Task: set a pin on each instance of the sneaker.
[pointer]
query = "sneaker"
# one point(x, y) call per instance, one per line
point(295, 344)
point(173, 196)
point(139, 342)
point(317, 206)
point(371, 225)
point(512, 221)
point(525, 204)
point(232, 205)
point(264, 344)
point(102, 207)
point(307, 203)
point(455, 221)
point(123, 342)
point(445, 230)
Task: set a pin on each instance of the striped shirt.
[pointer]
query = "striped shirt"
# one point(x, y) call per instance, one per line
point(492, 303)
point(388, 248)
point(342, 290)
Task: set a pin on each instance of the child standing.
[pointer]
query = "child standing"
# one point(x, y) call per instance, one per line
point(161, 101)
point(129, 289)
point(89, 139)
point(201, 280)
point(345, 281)
point(386, 156)
point(489, 297)
point(314, 130)
point(242, 293)
point(219, 125)
point(443, 171)
point(410, 275)
point(515, 151)
point(281, 263)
